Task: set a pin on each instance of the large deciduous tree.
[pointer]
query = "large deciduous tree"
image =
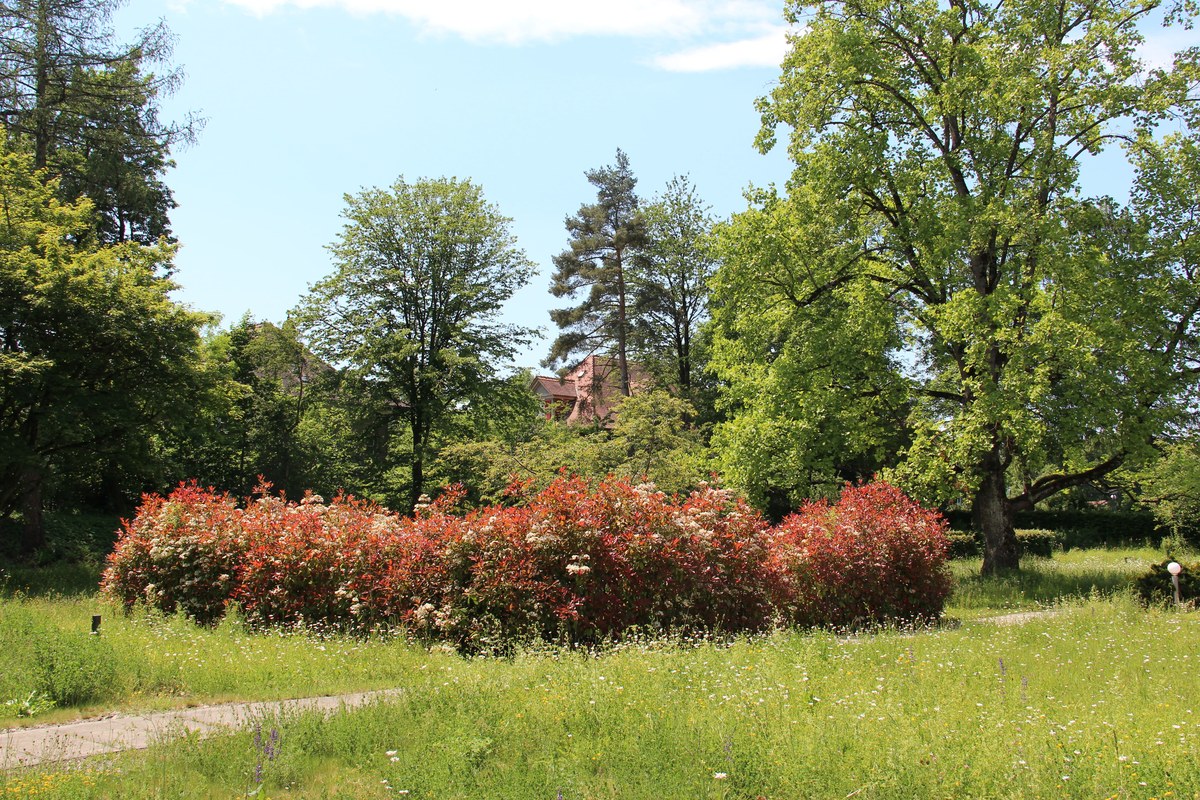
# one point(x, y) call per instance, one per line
point(935, 209)
point(94, 356)
point(604, 237)
point(670, 284)
point(423, 271)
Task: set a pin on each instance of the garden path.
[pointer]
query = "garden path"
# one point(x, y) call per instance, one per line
point(112, 733)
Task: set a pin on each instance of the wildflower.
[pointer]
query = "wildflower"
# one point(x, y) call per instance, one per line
point(720, 776)
point(390, 753)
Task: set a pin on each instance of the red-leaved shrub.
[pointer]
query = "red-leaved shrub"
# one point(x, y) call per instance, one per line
point(577, 562)
point(873, 557)
point(586, 562)
point(180, 553)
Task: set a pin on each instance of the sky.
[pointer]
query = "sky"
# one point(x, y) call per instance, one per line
point(308, 100)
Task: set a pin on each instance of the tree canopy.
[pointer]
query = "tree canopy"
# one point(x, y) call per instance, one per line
point(94, 355)
point(670, 284)
point(87, 108)
point(413, 308)
point(604, 237)
point(933, 257)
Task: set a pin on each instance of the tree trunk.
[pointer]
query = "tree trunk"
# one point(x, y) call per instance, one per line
point(33, 529)
point(41, 109)
point(993, 516)
point(622, 328)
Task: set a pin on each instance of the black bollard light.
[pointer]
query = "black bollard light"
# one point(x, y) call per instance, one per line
point(95, 624)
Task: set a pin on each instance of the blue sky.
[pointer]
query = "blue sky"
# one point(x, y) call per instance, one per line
point(307, 100)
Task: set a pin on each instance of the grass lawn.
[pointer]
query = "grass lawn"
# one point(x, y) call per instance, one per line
point(1101, 699)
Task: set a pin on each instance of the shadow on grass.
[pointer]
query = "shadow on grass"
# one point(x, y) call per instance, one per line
point(69, 565)
point(1040, 583)
point(52, 580)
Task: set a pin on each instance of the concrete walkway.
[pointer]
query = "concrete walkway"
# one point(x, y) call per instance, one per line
point(27, 747)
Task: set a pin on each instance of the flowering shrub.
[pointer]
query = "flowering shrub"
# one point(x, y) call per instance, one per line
point(180, 553)
point(874, 556)
point(576, 561)
point(586, 563)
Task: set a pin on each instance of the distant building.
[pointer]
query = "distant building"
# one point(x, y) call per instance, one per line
point(587, 392)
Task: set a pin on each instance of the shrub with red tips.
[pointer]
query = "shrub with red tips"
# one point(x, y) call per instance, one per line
point(873, 557)
point(578, 561)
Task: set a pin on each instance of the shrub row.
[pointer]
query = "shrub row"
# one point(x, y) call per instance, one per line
point(1082, 529)
point(576, 561)
point(1040, 543)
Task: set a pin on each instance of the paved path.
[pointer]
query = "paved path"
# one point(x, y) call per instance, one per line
point(25, 747)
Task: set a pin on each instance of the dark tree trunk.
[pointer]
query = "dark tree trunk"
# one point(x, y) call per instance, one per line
point(622, 327)
point(33, 530)
point(993, 516)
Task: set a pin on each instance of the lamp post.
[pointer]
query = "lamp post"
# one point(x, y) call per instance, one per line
point(1175, 569)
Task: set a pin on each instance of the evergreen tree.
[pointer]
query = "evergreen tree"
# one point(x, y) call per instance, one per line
point(86, 107)
point(604, 237)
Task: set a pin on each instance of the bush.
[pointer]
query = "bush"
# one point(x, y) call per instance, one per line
point(587, 563)
point(180, 553)
point(1082, 529)
point(577, 561)
point(963, 545)
point(1156, 587)
point(873, 557)
point(1040, 543)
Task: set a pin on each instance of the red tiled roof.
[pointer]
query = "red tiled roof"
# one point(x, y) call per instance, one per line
point(556, 388)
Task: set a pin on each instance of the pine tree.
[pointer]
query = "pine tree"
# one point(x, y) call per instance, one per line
point(604, 237)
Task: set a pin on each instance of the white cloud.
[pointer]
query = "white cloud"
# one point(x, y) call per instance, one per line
point(767, 50)
point(520, 21)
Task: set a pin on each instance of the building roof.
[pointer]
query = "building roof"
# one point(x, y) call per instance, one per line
point(556, 388)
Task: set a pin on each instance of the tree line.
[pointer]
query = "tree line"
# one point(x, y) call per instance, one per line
point(930, 298)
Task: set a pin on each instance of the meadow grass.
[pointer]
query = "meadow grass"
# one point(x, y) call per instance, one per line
point(148, 661)
point(1099, 699)
point(1044, 582)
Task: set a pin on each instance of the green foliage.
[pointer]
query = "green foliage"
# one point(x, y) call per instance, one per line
point(670, 287)
point(932, 261)
point(604, 237)
point(422, 273)
point(1171, 486)
point(87, 108)
point(652, 439)
point(1155, 587)
point(1082, 529)
point(95, 357)
point(1040, 543)
point(962, 545)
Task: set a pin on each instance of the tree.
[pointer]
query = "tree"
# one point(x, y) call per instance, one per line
point(604, 236)
point(423, 272)
point(95, 358)
point(937, 151)
point(87, 108)
point(670, 283)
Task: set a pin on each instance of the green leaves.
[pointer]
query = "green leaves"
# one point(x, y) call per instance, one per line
point(933, 249)
point(96, 357)
point(422, 273)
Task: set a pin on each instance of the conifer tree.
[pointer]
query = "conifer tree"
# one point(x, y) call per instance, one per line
point(604, 237)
